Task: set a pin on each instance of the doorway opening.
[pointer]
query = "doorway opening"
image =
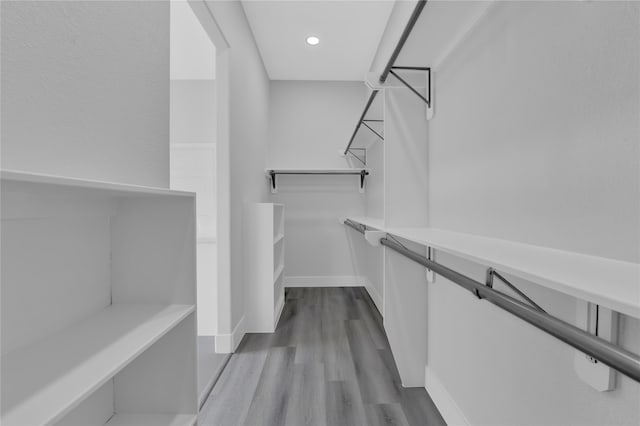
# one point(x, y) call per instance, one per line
point(193, 143)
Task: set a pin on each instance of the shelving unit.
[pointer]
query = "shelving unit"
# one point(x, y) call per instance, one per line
point(98, 303)
point(265, 266)
point(607, 282)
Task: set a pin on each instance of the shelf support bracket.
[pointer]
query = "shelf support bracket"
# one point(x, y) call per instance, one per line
point(374, 132)
point(363, 160)
point(489, 282)
point(272, 174)
point(428, 100)
point(602, 323)
point(362, 175)
point(431, 276)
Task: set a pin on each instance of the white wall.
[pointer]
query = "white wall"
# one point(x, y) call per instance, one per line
point(85, 89)
point(310, 122)
point(535, 139)
point(193, 111)
point(249, 103)
point(193, 55)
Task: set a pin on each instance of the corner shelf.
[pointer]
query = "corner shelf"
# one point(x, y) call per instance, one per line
point(611, 283)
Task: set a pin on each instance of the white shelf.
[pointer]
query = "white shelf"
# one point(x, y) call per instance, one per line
point(369, 221)
point(351, 170)
point(278, 238)
point(611, 283)
point(121, 189)
point(53, 375)
point(152, 420)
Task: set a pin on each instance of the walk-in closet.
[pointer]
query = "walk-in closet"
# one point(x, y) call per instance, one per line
point(320, 213)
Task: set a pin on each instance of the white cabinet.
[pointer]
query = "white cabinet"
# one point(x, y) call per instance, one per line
point(265, 266)
point(98, 303)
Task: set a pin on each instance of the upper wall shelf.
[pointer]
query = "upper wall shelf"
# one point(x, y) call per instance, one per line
point(611, 283)
point(272, 173)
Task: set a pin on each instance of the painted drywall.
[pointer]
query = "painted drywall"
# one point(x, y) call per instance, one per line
point(193, 111)
point(249, 104)
point(85, 89)
point(193, 55)
point(310, 124)
point(535, 139)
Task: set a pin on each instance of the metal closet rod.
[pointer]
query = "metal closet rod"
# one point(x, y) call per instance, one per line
point(385, 73)
point(627, 363)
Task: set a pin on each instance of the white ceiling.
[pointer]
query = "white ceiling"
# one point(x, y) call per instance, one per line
point(193, 55)
point(349, 33)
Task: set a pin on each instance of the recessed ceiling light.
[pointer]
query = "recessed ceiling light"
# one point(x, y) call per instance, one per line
point(312, 40)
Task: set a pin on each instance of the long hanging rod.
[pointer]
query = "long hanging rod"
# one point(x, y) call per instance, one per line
point(627, 363)
point(403, 38)
point(385, 73)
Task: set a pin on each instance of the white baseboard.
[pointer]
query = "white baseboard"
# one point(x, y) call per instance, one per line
point(279, 308)
point(375, 296)
point(451, 413)
point(325, 281)
point(228, 343)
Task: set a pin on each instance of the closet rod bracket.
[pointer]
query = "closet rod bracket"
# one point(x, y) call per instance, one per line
point(363, 173)
point(272, 175)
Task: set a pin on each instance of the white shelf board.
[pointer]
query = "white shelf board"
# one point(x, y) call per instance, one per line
point(302, 171)
point(152, 420)
point(68, 182)
point(278, 272)
point(611, 283)
point(45, 380)
point(277, 238)
point(369, 221)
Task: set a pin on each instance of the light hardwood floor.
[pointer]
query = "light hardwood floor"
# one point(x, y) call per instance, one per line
point(328, 363)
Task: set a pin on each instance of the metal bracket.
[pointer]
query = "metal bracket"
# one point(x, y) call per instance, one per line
point(363, 160)
point(431, 276)
point(272, 174)
point(362, 175)
point(373, 131)
point(429, 98)
point(489, 281)
point(602, 323)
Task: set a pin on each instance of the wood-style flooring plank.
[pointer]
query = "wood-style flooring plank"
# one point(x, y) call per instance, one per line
point(231, 397)
point(378, 387)
point(336, 353)
point(344, 405)
point(269, 404)
point(385, 415)
point(272, 395)
point(419, 408)
point(366, 314)
point(307, 403)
